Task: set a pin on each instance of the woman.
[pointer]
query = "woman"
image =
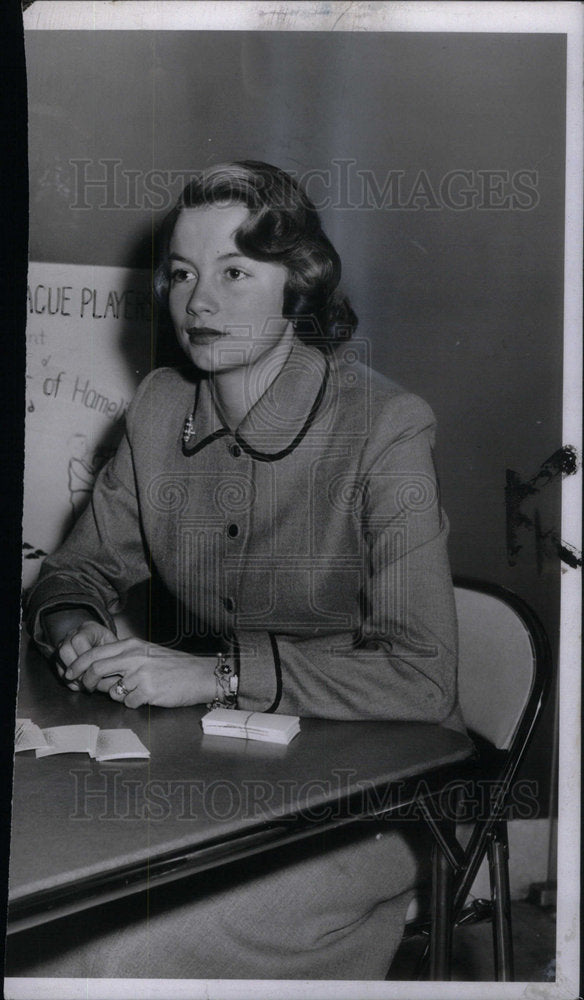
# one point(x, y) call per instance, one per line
point(285, 496)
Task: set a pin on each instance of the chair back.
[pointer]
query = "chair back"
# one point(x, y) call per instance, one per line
point(500, 672)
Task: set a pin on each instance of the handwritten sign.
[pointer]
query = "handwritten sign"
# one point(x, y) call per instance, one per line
point(88, 347)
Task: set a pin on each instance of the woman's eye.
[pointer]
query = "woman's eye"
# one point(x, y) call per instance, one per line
point(180, 274)
point(235, 273)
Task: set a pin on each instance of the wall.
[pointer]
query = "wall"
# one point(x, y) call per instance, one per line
point(461, 304)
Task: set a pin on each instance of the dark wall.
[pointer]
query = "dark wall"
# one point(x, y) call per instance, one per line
point(461, 304)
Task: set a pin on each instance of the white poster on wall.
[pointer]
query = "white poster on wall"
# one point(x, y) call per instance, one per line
point(89, 339)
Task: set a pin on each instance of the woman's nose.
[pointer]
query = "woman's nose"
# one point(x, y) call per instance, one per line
point(201, 300)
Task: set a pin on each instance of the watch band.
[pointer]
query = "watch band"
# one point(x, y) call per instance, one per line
point(226, 684)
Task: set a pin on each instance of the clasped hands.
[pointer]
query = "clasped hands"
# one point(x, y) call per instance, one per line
point(91, 658)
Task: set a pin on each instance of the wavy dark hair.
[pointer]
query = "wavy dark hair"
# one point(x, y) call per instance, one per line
point(283, 227)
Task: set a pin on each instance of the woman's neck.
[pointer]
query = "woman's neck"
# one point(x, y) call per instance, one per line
point(237, 390)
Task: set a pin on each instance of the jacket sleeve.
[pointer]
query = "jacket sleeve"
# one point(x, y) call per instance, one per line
point(400, 662)
point(103, 556)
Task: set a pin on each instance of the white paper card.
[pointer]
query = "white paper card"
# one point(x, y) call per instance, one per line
point(28, 736)
point(115, 744)
point(69, 739)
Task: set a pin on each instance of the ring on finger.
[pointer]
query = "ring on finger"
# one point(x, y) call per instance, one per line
point(120, 689)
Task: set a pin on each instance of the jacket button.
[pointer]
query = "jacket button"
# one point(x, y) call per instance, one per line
point(229, 604)
point(235, 450)
point(233, 531)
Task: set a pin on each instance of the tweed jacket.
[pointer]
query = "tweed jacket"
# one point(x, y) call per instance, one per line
point(311, 539)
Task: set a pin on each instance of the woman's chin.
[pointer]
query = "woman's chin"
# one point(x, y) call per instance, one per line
point(203, 356)
point(226, 353)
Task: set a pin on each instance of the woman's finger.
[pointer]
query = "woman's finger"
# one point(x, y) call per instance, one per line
point(135, 698)
point(95, 656)
point(134, 688)
point(83, 640)
point(66, 653)
point(101, 670)
point(105, 684)
point(72, 685)
point(131, 698)
point(84, 637)
point(118, 691)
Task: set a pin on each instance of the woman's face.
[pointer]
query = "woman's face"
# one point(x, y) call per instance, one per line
point(226, 308)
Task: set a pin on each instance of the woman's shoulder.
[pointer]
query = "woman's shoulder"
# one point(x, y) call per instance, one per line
point(162, 390)
point(365, 391)
point(161, 381)
point(160, 378)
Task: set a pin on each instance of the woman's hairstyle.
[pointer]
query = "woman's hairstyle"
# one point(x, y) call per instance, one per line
point(283, 227)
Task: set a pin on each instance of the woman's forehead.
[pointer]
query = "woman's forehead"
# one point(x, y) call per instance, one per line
point(208, 227)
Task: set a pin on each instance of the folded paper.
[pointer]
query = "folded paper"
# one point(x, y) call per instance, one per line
point(251, 725)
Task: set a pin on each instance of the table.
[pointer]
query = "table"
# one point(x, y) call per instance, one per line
point(85, 832)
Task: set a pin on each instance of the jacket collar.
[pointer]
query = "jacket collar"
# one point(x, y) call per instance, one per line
point(276, 424)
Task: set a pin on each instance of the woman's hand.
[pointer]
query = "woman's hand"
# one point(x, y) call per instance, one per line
point(85, 636)
point(150, 674)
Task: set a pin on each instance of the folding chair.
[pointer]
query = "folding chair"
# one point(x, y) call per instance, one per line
point(504, 677)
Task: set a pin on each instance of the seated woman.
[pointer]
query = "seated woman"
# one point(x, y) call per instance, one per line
point(285, 495)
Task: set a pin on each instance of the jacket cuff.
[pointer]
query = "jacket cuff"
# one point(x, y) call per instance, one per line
point(260, 674)
point(44, 600)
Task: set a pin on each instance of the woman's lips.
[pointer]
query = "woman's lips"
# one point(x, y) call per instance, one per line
point(203, 335)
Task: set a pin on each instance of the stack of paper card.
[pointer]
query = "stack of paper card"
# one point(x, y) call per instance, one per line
point(251, 725)
point(115, 744)
point(28, 736)
point(103, 744)
point(69, 739)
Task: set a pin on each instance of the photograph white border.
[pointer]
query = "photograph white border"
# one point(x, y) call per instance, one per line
point(494, 17)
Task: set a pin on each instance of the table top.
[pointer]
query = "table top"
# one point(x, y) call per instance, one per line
point(85, 831)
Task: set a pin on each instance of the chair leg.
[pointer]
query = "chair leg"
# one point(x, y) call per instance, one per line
point(498, 854)
point(441, 916)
